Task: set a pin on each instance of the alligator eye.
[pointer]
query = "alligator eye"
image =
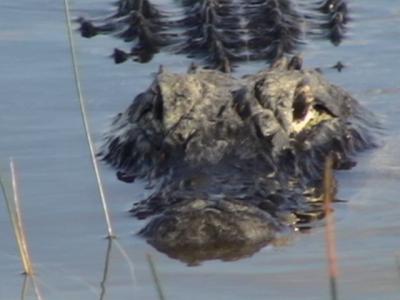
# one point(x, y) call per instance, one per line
point(308, 111)
point(300, 107)
point(301, 101)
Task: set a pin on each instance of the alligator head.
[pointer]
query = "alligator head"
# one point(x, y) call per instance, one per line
point(239, 160)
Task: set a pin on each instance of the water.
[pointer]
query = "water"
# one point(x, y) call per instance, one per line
point(40, 127)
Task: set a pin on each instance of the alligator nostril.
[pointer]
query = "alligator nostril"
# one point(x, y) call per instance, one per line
point(243, 110)
point(158, 107)
point(241, 104)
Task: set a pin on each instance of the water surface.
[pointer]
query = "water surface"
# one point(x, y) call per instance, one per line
point(40, 127)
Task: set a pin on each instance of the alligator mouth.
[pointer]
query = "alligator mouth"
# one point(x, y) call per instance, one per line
point(239, 160)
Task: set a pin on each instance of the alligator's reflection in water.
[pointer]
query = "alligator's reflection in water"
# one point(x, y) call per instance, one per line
point(224, 252)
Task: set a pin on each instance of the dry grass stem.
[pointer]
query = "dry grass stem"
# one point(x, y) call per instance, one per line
point(330, 227)
point(14, 212)
point(14, 224)
point(21, 236)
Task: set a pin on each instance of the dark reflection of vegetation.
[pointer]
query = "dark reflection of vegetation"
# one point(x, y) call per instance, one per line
point(398, 264)
point(24, 287)
point(114, 243)
point(106, 268)
point(330, 229)
point(154, 273)
point(30, 282)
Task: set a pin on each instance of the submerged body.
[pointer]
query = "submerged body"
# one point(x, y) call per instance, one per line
point(239, 160)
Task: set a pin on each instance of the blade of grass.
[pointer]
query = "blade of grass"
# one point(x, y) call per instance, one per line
point(86, 122)
point(330, 231)
point(156, 279)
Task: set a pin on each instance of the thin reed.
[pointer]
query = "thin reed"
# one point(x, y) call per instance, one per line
point(86, 122)
point(14, 225)
point(330, 231)
point(156, 279)
point(20, 226)
point(14, 211)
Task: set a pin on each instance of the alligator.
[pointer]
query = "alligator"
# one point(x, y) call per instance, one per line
point(236, 161)
point(220, 33)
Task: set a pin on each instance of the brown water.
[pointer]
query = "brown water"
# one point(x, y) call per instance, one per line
point(40, 127)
